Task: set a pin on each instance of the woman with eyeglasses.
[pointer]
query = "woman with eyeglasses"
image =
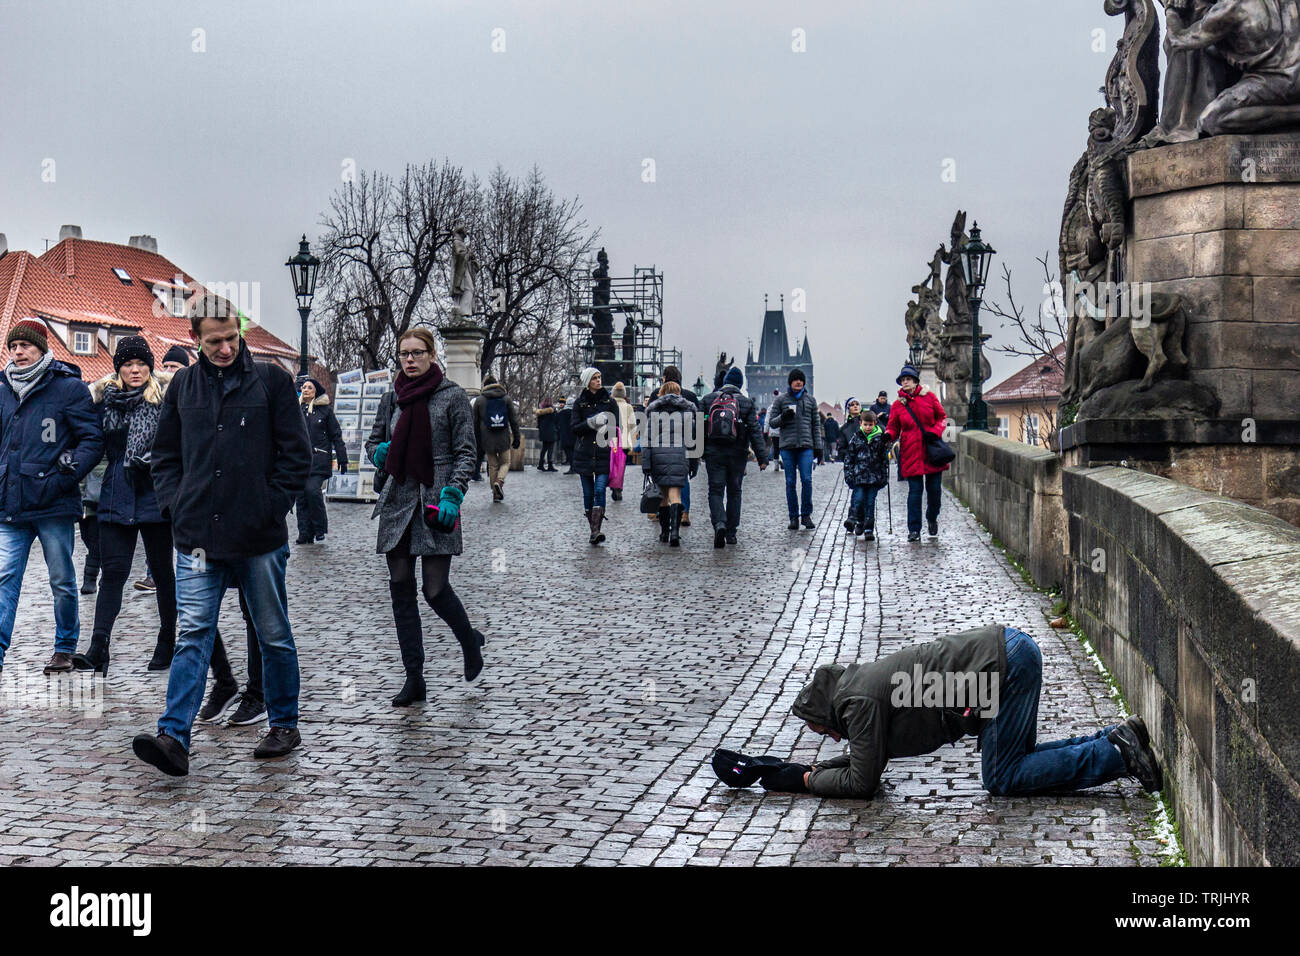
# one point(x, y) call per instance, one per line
point(423, 445)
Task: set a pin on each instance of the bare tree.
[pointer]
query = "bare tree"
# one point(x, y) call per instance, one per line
point(530, 245)
point(1037, 338)
point(383, 243)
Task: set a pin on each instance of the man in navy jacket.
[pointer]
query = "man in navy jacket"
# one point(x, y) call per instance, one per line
point(50, 439)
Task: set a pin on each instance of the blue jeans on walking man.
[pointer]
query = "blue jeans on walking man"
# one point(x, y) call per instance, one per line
point(56, 536)
point(862, 507)
point(200, 586)
point(932, 486)
point(798, 465)
point(1012, 762)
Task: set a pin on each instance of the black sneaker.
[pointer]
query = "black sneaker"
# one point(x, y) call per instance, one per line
point(320, 538)
point(303, 539)
point(146, 584)
point(1139, 759)
point(934, 528)
point(220, 700)
point(278, 742)
point(731, 537)
point(163, 752)
point(794, 524)
point(808, 522)
point(913, 536)
point(251, 710)
point(719, 537)
point(868, 535)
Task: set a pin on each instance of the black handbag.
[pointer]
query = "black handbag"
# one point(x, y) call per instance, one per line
point(937, 451)
point(651, 497)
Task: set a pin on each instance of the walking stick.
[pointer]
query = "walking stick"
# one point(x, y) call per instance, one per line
point(889, 498)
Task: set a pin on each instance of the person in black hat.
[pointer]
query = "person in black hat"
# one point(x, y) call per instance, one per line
point(326, 446)
point(130, 404)
point(802, 440)
point(175, 359)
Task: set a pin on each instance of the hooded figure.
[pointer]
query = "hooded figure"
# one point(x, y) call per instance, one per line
point(888, 708)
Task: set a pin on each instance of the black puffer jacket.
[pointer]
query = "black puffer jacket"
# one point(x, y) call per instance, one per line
point(670, 422)
point(883, 713)
point(230, 456)
point(802, 426)
point(325, 436)
point(591, 446)
point(866, 461)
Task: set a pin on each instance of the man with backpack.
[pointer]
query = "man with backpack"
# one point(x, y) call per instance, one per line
point(730, 429)
point(496, 426)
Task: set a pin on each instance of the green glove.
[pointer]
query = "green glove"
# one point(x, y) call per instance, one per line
point(381, 453)
point(449, 507)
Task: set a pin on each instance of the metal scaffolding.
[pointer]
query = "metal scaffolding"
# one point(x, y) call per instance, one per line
point(633, 354)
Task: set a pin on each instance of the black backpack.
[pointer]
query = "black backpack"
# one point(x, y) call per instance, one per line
point(724, 417)
point(496, 414)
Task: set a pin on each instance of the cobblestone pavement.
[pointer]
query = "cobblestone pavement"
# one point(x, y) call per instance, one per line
point(612, 674)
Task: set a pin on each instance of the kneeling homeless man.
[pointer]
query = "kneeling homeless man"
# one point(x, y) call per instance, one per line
point(982, 683)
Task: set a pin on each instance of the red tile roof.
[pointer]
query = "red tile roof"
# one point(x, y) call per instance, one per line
point(74, 281)
point(1040, 379)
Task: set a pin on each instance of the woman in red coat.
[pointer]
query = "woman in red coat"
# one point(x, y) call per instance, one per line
point(920, 474)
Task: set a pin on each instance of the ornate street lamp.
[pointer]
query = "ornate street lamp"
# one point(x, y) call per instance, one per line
point(975, 263)
point(916, 353)
point(303, 268)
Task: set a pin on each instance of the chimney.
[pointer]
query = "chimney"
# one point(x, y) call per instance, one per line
point(147, 243)
point(69, 232)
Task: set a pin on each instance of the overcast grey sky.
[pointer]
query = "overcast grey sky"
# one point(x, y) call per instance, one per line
point(775, 170)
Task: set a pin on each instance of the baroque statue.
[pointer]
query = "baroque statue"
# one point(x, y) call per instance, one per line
point(464, 269)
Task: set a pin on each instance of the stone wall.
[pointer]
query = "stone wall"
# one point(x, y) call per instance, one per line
point(1193, 602)
point(1014, 490)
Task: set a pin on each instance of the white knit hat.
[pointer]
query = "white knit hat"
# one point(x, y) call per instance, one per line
point(587, 373)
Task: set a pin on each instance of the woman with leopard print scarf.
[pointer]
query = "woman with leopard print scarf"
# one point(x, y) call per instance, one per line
point(129, 403)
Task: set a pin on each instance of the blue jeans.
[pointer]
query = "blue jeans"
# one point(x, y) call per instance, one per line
point(800, 460)
point(1012, 763)
point(862, 508)
point(56, 536)
point(932, 485)
point(593, 491)
point(199, 590)
point(686, 495)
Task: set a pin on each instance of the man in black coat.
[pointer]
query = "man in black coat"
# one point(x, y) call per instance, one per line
point(725, 455)
point(230, 455)
point(564, 425)
point(327, 446)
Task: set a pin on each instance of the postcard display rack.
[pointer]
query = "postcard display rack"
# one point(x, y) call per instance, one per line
point(355, 405)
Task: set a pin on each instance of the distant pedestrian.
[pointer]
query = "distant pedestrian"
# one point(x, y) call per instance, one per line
point(423, 442)
point(327, 446)
point(831, 429)
point(129, 403)
point(496, 429)
point(665, 458)
point(917, 412)
point(595, 418)
point(564, 425)
point(866, 471)
point(230, 455)
point(802, 442)
point(548, 434)
point(881, 408)
point(673, 374)
point(852, 414)
point(731, 430)
point(773, 431)
point(627, 437)
point(50, 439)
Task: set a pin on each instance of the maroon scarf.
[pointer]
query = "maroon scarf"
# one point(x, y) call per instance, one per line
point(411, 451)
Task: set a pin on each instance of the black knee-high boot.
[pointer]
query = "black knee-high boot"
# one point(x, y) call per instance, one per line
point(410, 639)
point(448, 607)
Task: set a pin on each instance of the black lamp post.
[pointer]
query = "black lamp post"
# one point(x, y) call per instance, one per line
point(303, 268)
point(975, 261)
point(916, 354)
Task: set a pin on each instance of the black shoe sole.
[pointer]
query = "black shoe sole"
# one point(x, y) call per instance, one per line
point(148, 750)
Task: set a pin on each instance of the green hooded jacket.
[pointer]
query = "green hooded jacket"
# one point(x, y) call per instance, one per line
point(912, 702)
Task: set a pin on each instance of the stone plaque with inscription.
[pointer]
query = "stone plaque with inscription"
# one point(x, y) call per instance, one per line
point(1220, 159)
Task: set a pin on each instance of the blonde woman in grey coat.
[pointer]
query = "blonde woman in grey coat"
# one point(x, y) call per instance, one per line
point(423, 445)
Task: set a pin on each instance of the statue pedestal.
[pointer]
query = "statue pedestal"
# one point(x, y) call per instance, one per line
point(1217, 222)
point(464, 351)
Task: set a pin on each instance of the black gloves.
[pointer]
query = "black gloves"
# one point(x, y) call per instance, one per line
point(788, 778)
point(140, 463)
point(65, 464)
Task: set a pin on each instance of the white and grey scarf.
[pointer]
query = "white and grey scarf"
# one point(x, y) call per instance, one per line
point(23, 380)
